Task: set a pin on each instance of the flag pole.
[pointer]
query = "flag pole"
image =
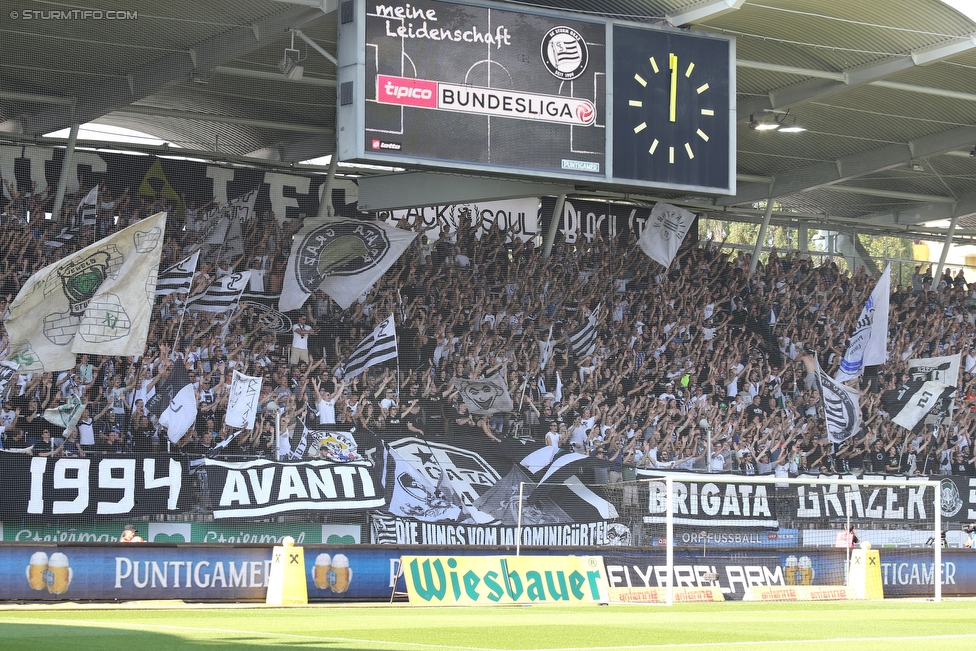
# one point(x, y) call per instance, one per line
point(396, 341)
point(179, 328)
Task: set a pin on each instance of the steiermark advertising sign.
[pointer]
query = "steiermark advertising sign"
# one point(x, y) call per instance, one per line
point(182, 532)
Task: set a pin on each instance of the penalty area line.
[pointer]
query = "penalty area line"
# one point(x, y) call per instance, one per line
point(234, 631)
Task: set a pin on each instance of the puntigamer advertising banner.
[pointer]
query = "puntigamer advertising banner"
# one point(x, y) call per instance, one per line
point(488, 580)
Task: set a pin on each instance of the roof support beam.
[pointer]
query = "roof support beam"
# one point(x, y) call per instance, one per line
point(791, 70)
point(820, 174)
point(818, 88)
point(890, 194)
point(929, 212)
point(143, 81)
point(36, 99)
point(326, 6)
point(699, 11)
point(137, 109)
point(273, 76)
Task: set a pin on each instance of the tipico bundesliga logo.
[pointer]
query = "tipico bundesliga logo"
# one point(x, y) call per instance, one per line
point(492, 102)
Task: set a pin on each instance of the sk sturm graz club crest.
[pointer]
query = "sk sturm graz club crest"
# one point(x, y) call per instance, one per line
point(564, 53)
point(344, 248)
point(951, 500)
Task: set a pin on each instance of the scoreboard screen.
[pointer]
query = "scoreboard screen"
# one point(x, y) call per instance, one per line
point(492, 89)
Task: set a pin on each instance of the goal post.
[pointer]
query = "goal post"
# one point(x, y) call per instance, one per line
point(762, 537)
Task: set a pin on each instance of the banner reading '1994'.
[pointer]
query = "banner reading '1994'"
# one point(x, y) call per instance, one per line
point(110, 487)
point(488, 580)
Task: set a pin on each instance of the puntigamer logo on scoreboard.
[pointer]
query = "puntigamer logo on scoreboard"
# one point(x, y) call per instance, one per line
point(422, 93)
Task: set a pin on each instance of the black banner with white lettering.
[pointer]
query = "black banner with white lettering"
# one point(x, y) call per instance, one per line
point(288, 195)
point(261, 488)
point(110, 487)
point(731, 504)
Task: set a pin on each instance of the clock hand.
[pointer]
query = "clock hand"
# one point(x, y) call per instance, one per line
point(673, 64)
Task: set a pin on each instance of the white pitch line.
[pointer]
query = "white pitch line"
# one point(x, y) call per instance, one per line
point(707, 645)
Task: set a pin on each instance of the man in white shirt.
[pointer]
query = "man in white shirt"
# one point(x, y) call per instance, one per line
point(299, 342)
point(326, 402)
point(719, 462)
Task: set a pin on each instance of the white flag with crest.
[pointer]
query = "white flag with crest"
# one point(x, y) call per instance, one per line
point(342, 257)
point(664, 231)
point(94, 301)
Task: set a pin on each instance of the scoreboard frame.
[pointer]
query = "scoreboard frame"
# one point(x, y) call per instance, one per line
point(592, 101)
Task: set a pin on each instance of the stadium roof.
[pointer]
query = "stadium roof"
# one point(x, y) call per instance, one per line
point(886, 90)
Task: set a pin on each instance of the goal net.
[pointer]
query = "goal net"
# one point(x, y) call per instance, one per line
point(731, 537)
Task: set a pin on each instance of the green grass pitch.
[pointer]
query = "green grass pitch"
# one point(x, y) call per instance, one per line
point(860, 626)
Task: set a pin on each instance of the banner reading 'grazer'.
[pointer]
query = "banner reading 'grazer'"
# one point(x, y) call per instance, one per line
point(729, 504)
point(489, 580)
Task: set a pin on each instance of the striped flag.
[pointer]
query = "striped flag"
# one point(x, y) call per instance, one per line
point(223, 295)
point(379, 346)
point(842, 411)
point(88, 208)
point(178, 277)
point(583, 342)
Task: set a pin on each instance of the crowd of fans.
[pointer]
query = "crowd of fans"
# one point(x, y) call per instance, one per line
point(696, 367)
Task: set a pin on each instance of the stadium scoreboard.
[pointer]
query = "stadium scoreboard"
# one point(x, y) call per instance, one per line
point(494, 89)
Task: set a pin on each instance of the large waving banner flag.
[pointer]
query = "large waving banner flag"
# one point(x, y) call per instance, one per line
point(664, 231)
point(842, 407)
point(342, 257)
point(97, 300)
point(869, 344)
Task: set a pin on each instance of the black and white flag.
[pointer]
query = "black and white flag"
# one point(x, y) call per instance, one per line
point(223, 295)
point(379, 346)
point(487, 396)
point(175, 402)
point(916, 399)
point(178, 277)
point(583, 341)
point(842, 410)
point(7, 371)
point(88, 207)
point(940, 369)
point(222, 225)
